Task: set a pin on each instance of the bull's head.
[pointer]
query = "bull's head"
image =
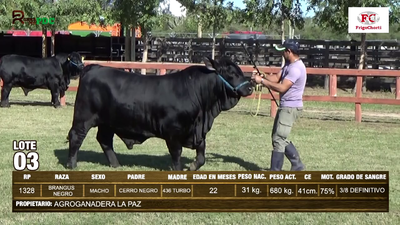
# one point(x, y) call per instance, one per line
point(75, 64)
point(231, 75)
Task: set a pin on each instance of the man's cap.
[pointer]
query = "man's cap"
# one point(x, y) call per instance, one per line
point(291, 44)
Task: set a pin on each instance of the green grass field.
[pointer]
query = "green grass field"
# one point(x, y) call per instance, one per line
point(325, 136)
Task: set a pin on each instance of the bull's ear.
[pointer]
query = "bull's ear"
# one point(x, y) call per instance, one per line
point(210, 63)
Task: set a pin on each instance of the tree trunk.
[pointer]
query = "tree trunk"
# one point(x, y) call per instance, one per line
point(213, 31)
point(199, 29)
point(283, 38)
point(53, 38)
point(362, 61)
point(213, 43)
point(133, 44)
point(44, 42)
point(121, 30)
point(53, 42)
point(127, 51)
point(292, 32)
point(145, 49)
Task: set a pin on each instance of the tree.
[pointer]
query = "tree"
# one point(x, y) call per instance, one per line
point(8, 7)
point(147, 20)
point(134, 13)
point(196, 8)
point(269, 12)
point(177, 24)
point(126, 12)
point(30, 9)
point(64, 12)
point(288, 11)
point(334, 14)
point(216, 14)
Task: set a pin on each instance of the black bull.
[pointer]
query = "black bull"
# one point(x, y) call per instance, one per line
point(178, 107)
point(29, 73)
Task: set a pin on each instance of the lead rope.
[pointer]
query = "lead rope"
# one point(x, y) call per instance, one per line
point(257, 89)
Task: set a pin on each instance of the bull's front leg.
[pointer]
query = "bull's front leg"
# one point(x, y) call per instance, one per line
point(76, 135)
point(62, 93)
point(55, 95)
point(175, 150)
point(200, 157)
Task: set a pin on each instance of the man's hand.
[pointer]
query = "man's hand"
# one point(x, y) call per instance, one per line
point(255, 72)
point(274, 78)
point(256, 77)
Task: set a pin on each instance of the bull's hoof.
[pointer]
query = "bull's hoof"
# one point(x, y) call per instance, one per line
point(57, 106)
point(71, 165)
point(193, 166)
point(5, 105)
point(176, 168)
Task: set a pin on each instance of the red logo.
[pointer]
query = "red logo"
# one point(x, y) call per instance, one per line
point(368, 18)
point(18, 15)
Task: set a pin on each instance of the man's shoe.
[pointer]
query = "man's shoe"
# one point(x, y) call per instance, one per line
point(277, 161)
point(294, 158)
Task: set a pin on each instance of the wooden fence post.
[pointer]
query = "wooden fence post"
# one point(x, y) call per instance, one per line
point(163, 71)
point(397, 87)
point(333, 85)
point(63, 100)
point(358, 95)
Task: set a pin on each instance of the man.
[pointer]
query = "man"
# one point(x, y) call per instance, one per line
point(290, 83)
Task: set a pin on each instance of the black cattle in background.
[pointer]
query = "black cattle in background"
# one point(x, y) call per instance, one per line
point(29, 73)
point(71, 65)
